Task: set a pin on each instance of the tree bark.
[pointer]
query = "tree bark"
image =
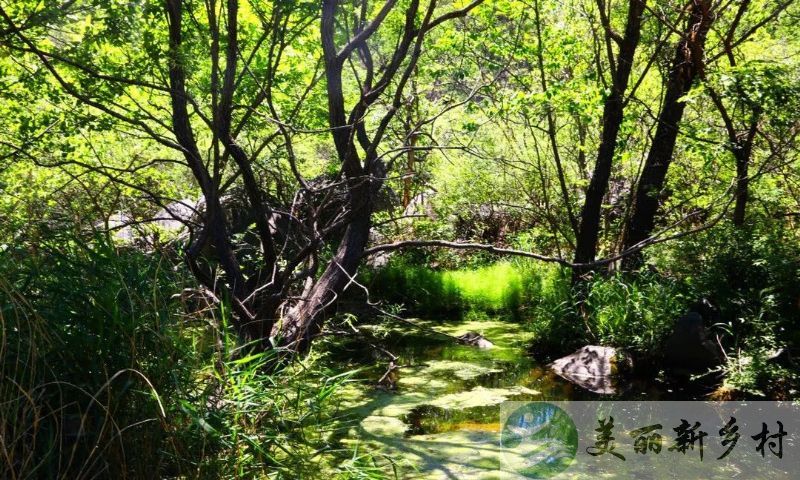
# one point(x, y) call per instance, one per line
point(304, 321)
point(741, 146)
point(589, 230)
point(742, 152)
point(687, 66)
point(742, 189)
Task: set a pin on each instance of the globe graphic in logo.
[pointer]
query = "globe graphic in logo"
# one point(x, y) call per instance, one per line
point(539, 440)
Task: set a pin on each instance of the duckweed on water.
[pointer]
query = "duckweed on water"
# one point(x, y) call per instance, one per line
point(443, 415)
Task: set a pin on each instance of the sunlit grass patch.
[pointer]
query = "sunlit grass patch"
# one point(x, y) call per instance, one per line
point(502, 287)
point(495, 287)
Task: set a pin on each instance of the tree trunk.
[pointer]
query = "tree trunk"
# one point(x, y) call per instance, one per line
point(304, 320)
point(742, 152)
point(686, 67)
point(589, 230)
point(411, 157)
point(742, 156)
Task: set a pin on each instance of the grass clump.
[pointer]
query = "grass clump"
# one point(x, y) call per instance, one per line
point(635, 314)
point(492, 288)
point(106, 374)
point(502, 287)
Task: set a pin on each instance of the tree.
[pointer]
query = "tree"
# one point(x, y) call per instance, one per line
point(686, 67)
point(751, 92)
point(225, 96)
point(362, 176)
point(613, 110)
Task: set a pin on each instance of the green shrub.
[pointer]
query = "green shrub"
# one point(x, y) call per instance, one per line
point(738, 265)
point(750, 274)
point(751, 339)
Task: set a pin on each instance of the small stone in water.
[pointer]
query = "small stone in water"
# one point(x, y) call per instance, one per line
point(475, 339)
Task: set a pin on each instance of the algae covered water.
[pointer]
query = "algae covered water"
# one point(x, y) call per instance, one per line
point(439, 415)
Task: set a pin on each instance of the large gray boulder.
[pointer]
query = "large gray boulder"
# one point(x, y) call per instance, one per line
point(174, 217)
point(592, 367)
point(690, 349)
point(120, 223)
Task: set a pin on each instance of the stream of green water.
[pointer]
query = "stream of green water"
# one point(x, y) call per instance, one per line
point(438, 416)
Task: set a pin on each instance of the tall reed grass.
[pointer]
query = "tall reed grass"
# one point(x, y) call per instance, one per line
point(105, 374)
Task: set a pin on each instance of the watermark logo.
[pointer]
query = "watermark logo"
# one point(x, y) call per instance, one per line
point(646, 440)
point(539, 439)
